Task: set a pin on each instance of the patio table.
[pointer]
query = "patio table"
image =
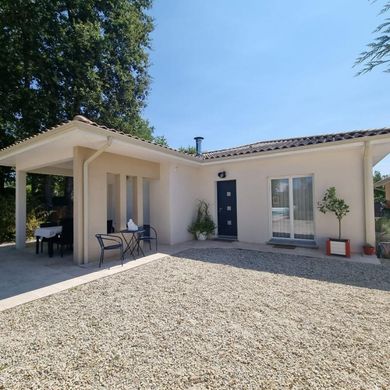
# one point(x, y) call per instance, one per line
point(47, 232)
point(133, 242)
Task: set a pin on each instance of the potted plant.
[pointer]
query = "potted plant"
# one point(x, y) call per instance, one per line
point(331, 203)
point(203, 225)
point(368, 249)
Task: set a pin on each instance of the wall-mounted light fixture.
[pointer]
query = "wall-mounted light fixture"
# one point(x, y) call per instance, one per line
point(222, 174)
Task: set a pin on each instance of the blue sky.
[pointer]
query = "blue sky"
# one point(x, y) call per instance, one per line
point(237, 72)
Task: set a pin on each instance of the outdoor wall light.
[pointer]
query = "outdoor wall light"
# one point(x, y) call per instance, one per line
point(222, 174)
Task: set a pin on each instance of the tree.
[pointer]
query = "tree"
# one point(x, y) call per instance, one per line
point(160, 140)
point(188, 149)
point(331, 203)
point(60, 58)
point(378, 52)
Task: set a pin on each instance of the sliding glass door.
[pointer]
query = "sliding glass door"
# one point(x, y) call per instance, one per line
point(292, 208)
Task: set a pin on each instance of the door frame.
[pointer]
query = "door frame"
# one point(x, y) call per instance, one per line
point(216, 203)
point(269, 196)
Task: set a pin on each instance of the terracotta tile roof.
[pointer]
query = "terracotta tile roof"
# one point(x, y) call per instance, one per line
point(33, 136)
point(243, 150)
point(290, 143)
point(83, 119)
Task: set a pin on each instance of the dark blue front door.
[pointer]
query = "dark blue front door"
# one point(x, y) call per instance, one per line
point(227, 208)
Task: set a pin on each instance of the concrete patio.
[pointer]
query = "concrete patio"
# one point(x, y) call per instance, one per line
point(25, 276)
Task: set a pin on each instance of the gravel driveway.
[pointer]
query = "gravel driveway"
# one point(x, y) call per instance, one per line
point(207, 319)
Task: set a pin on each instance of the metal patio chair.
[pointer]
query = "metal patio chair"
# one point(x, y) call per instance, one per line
point(65, 238)
point(109, 242)
point(149, 235)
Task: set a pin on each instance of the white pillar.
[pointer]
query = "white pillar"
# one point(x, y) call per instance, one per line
point(20, 206)
point(121, 209)
point(369, 194)
point(78, 248)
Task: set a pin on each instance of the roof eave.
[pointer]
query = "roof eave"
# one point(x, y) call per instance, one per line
point(306, 148)
point(64, 129)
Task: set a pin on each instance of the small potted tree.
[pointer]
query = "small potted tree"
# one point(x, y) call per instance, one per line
point(203, 225)
point(331, 203)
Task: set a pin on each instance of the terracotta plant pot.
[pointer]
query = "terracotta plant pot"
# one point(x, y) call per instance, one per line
point(369, 250)
point(338, 247)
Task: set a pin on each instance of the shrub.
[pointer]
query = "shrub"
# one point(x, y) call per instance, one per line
point(7, 217)
point(203, 223)
point(35, 216)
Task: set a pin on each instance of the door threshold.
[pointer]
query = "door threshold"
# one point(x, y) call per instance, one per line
point(226, 238)
point(289, 243)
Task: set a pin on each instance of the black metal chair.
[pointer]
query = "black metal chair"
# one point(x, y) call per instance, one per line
point(110, 226)
point(65, 238)
point(109, 242)
point(149, 235)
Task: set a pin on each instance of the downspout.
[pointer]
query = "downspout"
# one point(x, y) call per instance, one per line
point(368, 195)
point(86, 193)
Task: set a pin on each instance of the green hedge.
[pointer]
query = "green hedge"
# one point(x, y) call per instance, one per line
point(7, 216)
point(35, 215)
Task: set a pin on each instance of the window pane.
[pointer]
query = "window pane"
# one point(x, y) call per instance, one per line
point(303, 208)
point(280, 208)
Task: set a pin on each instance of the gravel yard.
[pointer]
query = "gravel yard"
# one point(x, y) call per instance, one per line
point(207, 319)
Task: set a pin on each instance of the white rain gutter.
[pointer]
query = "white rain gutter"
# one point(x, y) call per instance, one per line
point(368, 194)
point(86, 193)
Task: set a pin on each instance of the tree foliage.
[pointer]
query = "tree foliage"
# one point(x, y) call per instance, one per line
point(379, 192)
point(331, 203)
point(59, 58)
point(160, 140)
point(378, 51)
point(187, 149)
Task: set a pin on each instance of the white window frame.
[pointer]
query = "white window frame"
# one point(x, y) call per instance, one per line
point(290, 195)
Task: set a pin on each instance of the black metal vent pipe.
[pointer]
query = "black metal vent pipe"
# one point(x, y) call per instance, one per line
point(198, 146)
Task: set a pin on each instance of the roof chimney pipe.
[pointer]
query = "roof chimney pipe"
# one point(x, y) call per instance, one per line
point(198, 141)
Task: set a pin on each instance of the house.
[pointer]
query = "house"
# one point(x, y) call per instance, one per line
point(257, 193)
point(385, 183)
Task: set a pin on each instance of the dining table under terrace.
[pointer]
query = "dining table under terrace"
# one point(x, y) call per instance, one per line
point(50, 233)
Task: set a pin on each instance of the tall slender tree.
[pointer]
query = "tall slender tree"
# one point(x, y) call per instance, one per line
point(59, 58)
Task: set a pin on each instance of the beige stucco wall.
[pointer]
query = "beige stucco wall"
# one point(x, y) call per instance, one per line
point(175, 189)
point(160, 205)
point(340, 168)
point(173, 201)
point(185, 187)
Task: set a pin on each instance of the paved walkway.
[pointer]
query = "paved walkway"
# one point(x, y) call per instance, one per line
point(25, 276)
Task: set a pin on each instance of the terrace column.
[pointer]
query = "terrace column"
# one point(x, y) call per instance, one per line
point(79, 155)
point(121, 210)
point(20, 206)
point(139, 201)
point(369, 194)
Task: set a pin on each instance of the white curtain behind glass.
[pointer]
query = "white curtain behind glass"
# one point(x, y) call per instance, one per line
point(280, 208)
